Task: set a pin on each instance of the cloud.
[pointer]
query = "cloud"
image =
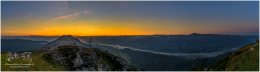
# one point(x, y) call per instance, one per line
point(70, 16)
point(86, 12)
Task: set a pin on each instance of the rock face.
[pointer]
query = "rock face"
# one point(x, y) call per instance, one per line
point(89, 59)
point(64, 40)
point(71, 54)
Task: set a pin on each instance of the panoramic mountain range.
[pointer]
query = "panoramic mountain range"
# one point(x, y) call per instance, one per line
point(154, 52)
point(129, 35)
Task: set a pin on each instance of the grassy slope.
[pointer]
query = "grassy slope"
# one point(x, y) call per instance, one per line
point(39, 64)
point(244, 59)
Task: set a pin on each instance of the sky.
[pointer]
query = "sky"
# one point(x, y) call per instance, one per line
point(93, 18)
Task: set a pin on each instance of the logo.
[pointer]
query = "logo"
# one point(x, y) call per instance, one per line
point(25, 56)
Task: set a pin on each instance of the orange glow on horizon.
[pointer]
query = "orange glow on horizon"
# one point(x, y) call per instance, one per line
point(108, 27)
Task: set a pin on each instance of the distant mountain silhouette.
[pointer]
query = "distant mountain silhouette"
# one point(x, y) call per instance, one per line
point(16, 45)
point(199, 34)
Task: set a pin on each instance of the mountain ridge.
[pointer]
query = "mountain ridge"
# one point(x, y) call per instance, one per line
point(64, 40)
point(72, 54)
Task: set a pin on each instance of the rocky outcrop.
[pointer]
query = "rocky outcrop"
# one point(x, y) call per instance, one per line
point(89, 59)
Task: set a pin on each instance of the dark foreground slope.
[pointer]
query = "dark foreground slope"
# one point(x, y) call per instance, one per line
point(71, 58)
point(243, 59)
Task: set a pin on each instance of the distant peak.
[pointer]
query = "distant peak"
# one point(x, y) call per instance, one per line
point(66, 36)
point(194, 34)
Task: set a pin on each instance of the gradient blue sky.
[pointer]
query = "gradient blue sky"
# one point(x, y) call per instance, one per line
point(129, 18)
